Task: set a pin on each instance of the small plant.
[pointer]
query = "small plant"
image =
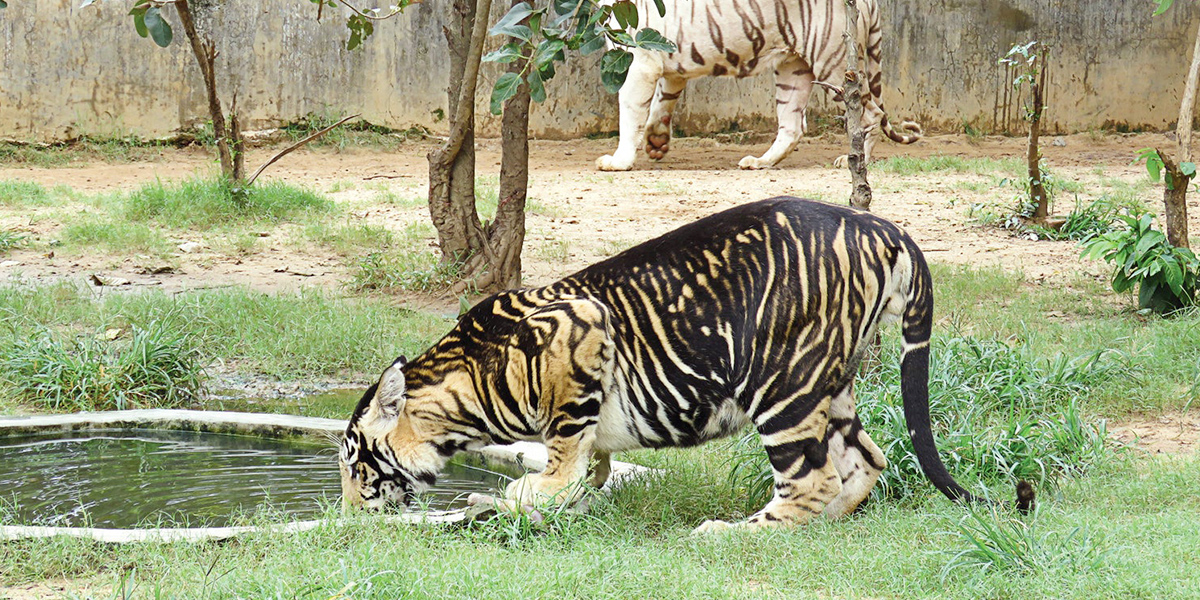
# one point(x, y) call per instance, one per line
point(995, 542)
point(1084, 222)
point(10, 240)
point(1167, 276)
point(154, 366)
point(206, 203)
point(1028, 61)
point(406, 271)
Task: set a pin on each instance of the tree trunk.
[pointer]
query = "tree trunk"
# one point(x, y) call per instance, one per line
point(452, 166)
point(1176, 200)
point(229, 141)
point(1033, 155)
point(1175, 195)
point(860, 195)
point(499, 266)
point(507, 233)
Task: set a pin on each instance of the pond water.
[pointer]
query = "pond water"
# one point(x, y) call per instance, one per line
point(129, 478)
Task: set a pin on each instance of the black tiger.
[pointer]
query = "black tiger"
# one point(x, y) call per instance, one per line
point(756, 315)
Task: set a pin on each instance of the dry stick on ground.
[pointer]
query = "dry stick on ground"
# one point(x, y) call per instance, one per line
point(1175, 195)
point(860, 195)
point(229, 143)
point(297, 145)
point(1037, 191)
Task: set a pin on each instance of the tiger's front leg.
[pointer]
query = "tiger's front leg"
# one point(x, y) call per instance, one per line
point(574, 366)
point(658, 127)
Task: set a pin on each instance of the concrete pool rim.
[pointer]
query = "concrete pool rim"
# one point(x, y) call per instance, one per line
point(530, 456)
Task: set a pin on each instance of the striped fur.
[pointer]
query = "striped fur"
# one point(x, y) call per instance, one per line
point(758, 316)
point(800, 39)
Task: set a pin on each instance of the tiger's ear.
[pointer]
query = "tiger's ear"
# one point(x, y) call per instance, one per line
point(389, 396)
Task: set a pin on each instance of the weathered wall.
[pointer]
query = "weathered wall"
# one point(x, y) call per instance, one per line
point(66, 71)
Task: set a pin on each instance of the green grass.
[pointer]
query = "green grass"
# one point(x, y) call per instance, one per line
point(208, 203)
point(119, 237)
point(353, 134)
point(347, 239)
point(909, 165)
point(110, 148)
point(23, 193)
point(10, 240)
point(156, 366)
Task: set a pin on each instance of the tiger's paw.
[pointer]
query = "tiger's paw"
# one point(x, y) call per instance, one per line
point(609, 162)
point(713, 526)
point(658, 139)
point(841, 162)
point(535, 490)
point(753, 163)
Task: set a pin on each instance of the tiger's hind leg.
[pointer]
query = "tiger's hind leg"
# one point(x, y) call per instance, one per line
point(793, 85)
point(858, 460)
point(658, 127)
point(634, 99)
point(805, 477)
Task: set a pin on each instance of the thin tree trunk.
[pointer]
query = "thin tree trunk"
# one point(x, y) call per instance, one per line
point(229, 142)
point(1175, 195)
point(452, 166)
point(1033, 154)
point(507, 234)
point(860, 195)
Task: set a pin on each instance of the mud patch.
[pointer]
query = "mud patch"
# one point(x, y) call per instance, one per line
point(1165, 434)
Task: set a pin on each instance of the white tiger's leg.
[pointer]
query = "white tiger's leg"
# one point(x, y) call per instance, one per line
point(601, 469)
point(872, 116)
point(805, 479)
point(857, 459)
point(793, 84)
point(634, 98)
point(658, 127)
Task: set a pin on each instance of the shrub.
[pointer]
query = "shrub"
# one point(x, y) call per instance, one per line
point(206, 203)
point(1167, 276)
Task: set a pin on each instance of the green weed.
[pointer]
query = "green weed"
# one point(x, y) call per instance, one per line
point(1000, 543)
point(116, 236)
point(155, 366)
point(10, 240)
point(207, 203)
point(347, 239)
point(23, 193)
point(909, 165)
point(420, 271)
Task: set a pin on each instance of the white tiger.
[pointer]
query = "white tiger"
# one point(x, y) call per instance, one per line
point(802, 40)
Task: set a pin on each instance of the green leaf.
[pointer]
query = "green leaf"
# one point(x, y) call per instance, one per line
point(4, 4)
point(506, 87)
point(1187, 168)
point(1163, 5)
point(139, 23)
point(158, 27)
point(504, 54)
point(591, 44)
point(547, 51)
point(649, 39)
point(614, 67)
point(86, 3)
point(537, 90)
point(662, 8)
point(510, 23)
point(621, 37)
point(626, 13)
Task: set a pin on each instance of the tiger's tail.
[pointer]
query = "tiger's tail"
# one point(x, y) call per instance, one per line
point(917, 325)
point(909, 131)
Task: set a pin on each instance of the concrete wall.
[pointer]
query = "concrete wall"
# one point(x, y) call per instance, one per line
point(66, 71)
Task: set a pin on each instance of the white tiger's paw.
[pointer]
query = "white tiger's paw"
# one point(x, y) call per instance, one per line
point(658, 139)
point(713, 526)
point(754, 163)
point(841, 162)
point(609, 162)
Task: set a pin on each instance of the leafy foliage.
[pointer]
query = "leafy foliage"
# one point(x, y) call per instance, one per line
point(542, 35)
point(1155, 167)
point(995, 542)
point(1168, 276)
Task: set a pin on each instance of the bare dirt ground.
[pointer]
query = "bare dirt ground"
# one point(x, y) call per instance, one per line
point(586, 215)
point(581, 215)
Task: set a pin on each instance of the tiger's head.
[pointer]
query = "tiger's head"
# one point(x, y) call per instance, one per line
point(387, 456)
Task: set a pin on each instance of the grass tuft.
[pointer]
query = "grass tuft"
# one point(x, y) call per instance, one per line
point(912, 165)
point(995, 542)
point(156, 367)
point(10, 240)
point(207, 203)
point(23, 193)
